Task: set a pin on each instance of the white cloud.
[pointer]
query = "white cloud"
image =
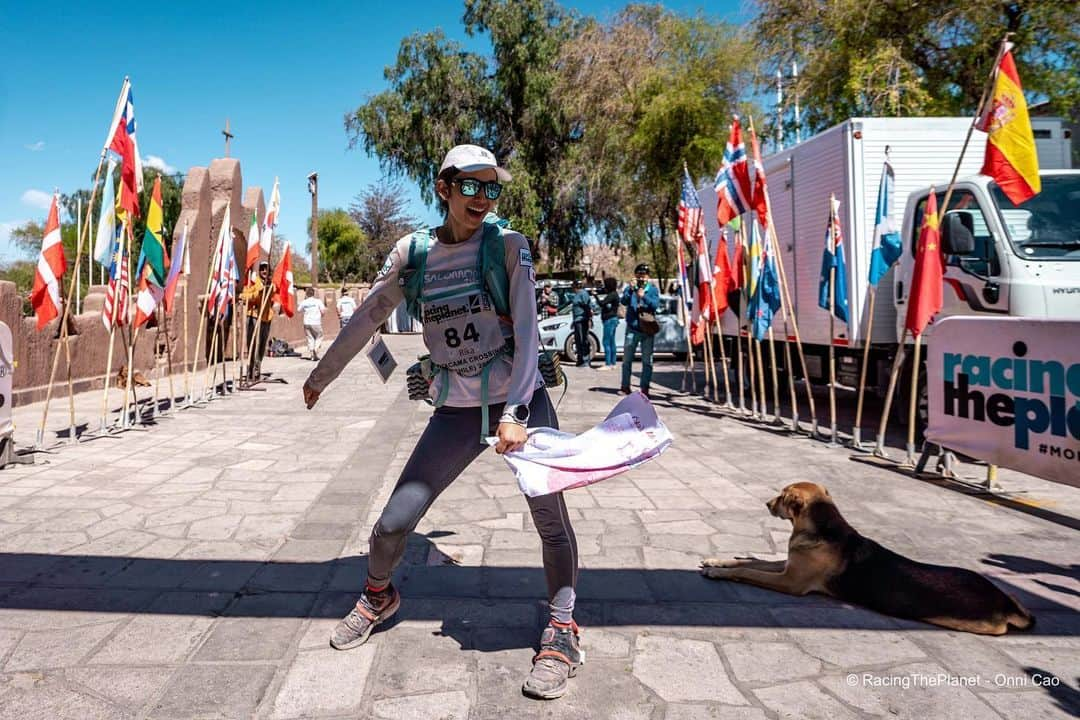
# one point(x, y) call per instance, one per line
point(37, 199)
point(158, 163)
point(36, 147)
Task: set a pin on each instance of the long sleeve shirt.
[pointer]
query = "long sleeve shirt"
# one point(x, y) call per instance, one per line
point(650, 302)
point(512, 378)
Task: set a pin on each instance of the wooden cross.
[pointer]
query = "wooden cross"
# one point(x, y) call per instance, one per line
point(228, 136)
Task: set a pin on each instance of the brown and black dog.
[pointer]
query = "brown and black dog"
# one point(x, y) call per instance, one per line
point(827, 555)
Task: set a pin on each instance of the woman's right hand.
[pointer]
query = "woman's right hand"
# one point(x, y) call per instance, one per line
point(311, 396)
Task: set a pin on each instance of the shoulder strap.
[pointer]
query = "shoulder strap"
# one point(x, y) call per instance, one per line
point(493, 267)
point(412, 278)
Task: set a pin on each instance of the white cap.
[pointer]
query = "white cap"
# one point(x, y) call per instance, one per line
point(469, 158)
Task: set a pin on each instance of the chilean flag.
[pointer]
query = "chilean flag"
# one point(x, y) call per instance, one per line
point(51, 266)
point(121, 140)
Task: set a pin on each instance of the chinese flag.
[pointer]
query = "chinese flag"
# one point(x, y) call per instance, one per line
point(927, 279)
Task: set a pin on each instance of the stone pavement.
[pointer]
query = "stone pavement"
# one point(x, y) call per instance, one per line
point(196, 570)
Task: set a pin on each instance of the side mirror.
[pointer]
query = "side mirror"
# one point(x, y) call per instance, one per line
point(958, 233)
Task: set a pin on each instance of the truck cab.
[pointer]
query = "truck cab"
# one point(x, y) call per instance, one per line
point(1001, 259)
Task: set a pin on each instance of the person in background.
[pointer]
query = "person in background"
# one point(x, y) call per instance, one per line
point(312, 309)
point(609, 314)
point(260, 312)
point(346, 307)
point(640, 295)
point(549, 302)
point(581, 309)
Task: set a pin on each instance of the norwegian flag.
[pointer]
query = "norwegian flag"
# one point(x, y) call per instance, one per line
point(733, 180)
point(114, 312)
point(121, 140)
point(760, 202)
point(51, 266)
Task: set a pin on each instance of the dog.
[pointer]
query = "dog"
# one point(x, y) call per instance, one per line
point(826, 555)
point(137, 378)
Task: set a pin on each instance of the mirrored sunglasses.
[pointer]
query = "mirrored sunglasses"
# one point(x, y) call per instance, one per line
point(471, 186)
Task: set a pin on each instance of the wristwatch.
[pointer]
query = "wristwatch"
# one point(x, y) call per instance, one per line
point(518, 414)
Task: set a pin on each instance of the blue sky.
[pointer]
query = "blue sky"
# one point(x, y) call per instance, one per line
point(284, 73)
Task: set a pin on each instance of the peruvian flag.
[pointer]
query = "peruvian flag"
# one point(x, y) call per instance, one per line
point(51, 265)
point(121, 140)
point(284, 287)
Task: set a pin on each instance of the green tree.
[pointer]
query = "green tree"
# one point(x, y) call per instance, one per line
point(342, 246)
point(916, 58)
point(380, 212)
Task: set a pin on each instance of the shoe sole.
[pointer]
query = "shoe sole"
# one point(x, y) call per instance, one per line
point(361, 639)
point(556, 692)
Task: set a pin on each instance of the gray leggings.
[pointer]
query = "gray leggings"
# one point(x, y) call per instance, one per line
point(450, 442)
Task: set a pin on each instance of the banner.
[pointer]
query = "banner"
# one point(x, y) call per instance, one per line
point(1007, 391)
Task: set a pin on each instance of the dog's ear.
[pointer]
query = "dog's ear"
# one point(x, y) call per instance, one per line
point(794, 505)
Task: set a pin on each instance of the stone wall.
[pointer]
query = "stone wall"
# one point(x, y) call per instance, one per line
point(206, 193)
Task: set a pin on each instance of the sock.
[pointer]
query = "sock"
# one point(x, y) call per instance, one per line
point(562, 605)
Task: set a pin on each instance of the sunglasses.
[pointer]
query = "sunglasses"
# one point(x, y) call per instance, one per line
point(471, 186)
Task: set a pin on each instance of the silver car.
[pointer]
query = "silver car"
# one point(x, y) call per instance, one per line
point(557, 333)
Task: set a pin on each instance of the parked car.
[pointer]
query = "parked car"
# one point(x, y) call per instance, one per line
point(557, 333)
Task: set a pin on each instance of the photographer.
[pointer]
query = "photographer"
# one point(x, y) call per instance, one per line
point(640, 296)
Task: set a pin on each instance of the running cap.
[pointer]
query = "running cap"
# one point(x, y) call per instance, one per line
point(469, 158)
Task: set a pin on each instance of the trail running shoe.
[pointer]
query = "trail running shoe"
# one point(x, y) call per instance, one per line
point(559, 658)
point(355, 629)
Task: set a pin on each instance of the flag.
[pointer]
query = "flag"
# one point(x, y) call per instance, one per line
point(283, 283)
point(271, 220)
point(51, 266)
point(153, 246)
point(689, 220)
point(833, 257)
point(116, 293)
point(150, 294)
point(738, 266)
point(1010, 144)
point(121, 140)
point(106, 229)
point(733, 180)
point(928, 276)
point(760, 201)
point(691, 231)
point(252, 248)
point(886, 237)
point(222, 270)
point(753, 259)
point(765, 300)
point(722, 280)
point(180, 264)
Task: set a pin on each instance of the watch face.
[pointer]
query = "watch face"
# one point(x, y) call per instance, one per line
point(521, 412)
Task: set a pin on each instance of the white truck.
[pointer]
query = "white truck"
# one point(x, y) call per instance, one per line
point(1020, 261)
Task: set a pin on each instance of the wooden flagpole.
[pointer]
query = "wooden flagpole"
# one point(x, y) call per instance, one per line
point(761, 380)
point(913, 402)
point(856, 432)
point(898, 361)
point(130, 389)
point(112, 338)
point(775, 381)
point(832, 322)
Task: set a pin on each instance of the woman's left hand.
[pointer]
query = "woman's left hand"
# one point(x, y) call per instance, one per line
point(511, 437)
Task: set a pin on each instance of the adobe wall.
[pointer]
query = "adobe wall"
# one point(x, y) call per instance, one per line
point(206, 193)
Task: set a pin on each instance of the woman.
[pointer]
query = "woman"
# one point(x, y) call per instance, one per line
point(459, 327)
point(609, 314)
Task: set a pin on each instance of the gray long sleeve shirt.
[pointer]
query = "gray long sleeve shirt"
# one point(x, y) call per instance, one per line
point(512, 379)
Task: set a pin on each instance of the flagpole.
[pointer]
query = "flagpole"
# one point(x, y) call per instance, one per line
point(856, 432)
point(761, 380)
point(913, 401)
point(898, 361)
point(129, 390)
point(168, 360)
point(78, 266)
point(108, 361)
point(832, 321)
point(777, 420)
point(157, 369)
point(184, 303)
point(790, 375)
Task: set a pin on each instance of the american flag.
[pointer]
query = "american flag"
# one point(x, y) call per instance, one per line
point(733, 180)
point(116, 293)
point(689, 223)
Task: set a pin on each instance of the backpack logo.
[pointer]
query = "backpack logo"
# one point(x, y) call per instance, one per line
point(525, 258)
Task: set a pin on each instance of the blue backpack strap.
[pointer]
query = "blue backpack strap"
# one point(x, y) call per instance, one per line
point(493, 267)
point(412, 281)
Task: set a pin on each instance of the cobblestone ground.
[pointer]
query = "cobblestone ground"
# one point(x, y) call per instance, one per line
point(195, 570)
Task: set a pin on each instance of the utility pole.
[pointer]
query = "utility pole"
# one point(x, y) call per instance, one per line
point(313, 188)
point(228, 136)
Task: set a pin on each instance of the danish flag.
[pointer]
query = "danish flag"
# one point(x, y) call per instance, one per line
point(51, 265)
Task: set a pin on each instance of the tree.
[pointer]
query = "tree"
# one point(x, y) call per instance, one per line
point(342, 245)
point(440, 95)
point(301, 267)
point(925, 58)
point(380, 212)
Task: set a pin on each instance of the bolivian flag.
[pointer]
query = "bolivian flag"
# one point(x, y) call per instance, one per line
point(153, 247)
point(1010, 146)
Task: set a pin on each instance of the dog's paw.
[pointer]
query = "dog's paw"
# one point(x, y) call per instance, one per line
point(723, 562)
point(715, 573)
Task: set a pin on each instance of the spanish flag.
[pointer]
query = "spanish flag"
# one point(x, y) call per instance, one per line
point(1010, 146)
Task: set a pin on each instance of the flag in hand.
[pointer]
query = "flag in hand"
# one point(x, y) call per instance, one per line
point(1010, 144)
point(285, 290)
point(886, 236)
point(51, 266)
point(733, 180)
point(121, 140)
point(928, 276)
point(271, 219)
point(106, 228)
point(180, 263)
point(760, 201)
point(833, 294)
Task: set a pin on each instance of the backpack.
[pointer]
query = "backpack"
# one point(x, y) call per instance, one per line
point(491, 264)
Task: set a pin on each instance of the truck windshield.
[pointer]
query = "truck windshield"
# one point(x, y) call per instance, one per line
point(1047, 225)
